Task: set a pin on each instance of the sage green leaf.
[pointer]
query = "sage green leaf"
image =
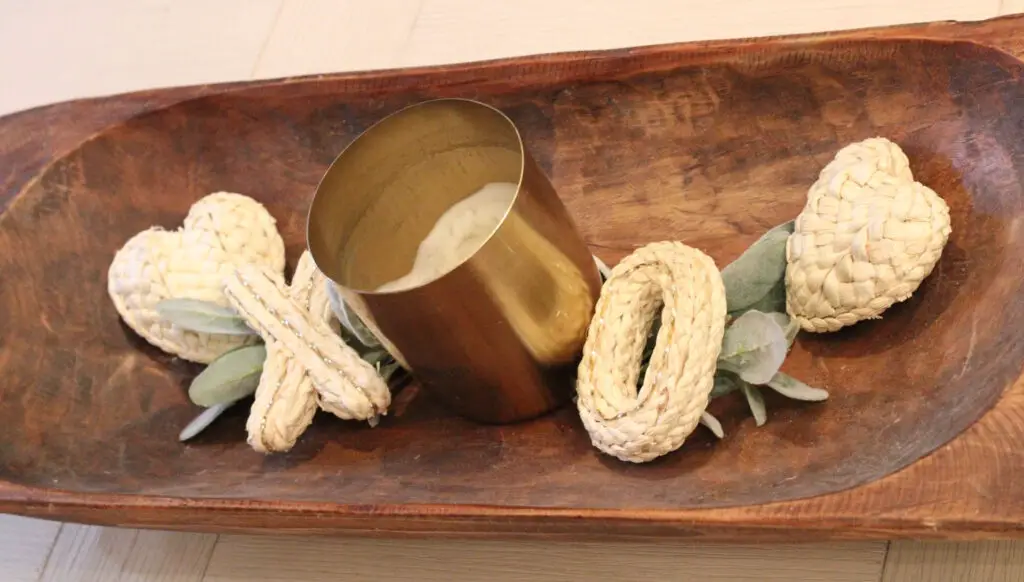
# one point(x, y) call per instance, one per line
point(790, 327)
point(712, 424)
point(781, 319)
point(202, 316)
point(753, 347)
point(790, 387)
point(774, 300)
point(755, 400)
point(389, 370)
point(758, 270)
point(230, 377)
point(724, 384)
point(202, 421)
point(791, 331)
point(350, 321)
point(377, 357)
point(386, 365)
point(603, 269)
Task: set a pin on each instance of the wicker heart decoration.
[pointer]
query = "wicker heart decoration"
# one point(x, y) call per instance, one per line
point(867, 237)
point(222, 230)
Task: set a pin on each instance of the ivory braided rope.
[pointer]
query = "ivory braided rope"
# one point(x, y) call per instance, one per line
point(687, 287)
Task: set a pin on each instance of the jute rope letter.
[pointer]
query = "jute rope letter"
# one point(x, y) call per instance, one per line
point(307, 362)
point(686, 286)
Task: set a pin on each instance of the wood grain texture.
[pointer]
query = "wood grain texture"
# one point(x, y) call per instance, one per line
point(24, 547)
point(995, 561)
point(551, 101)
point(84, 553)
point(258, 559)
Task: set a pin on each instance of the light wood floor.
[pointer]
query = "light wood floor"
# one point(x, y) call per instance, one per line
point(53, 50)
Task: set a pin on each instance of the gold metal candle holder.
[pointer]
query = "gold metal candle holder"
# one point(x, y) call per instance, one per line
point(497, 338)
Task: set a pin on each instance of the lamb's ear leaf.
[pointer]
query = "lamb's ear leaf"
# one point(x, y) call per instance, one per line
point(350, 321)
point(790, 387)
point(232, 376)
point(753, 347)
point(205, 419)
point(603, 269)
point(757, 272)
point(724, 384)
point(202, 316)
point(790, 326)
point(773, 301)
point(712, 424)
point(756, 402)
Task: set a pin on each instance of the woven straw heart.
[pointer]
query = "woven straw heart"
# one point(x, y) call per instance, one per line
point(867, 237)
point(222, 230)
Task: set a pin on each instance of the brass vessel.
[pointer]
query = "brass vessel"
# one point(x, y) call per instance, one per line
point(496, 338)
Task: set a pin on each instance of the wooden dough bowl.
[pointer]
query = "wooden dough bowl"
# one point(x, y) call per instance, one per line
point(708, 143)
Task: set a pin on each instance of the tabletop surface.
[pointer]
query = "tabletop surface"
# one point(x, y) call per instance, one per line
point(52, 50)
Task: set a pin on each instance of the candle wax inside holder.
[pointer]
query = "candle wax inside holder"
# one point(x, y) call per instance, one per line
point(456, 235)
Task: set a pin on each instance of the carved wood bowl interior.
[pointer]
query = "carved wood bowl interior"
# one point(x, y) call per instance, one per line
point(710, 147)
